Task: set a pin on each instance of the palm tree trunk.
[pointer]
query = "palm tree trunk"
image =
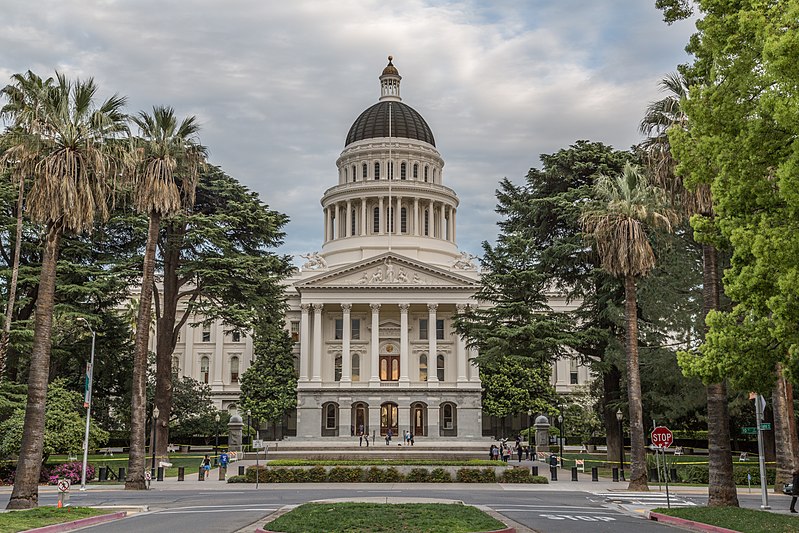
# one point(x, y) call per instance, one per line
point(12, 288)
point(637, 442)
point(26, 483)
point(138, 403)
point(611, 384)
point(721, 486)
point(784, 430)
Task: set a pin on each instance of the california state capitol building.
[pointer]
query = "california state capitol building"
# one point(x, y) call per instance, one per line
point(372, 312)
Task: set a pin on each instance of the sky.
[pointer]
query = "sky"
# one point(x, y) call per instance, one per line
point(276, 84)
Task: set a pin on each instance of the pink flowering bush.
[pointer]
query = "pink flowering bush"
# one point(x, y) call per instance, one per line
point(70, 471)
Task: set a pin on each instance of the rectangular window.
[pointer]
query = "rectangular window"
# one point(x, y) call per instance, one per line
point(404, 220)
point(389, 368)
point(440, 329)
point(356, 329)
point(352, 223)
point(573, 372)
point(422, 329)
point(295, 330)
point(339, 333)
point(236, 336)
point(206, 333)
point(376, 221)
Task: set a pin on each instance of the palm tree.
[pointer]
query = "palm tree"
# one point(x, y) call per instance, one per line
point(660, 116)
point(169, 158)
point(23, 107)
point(72, 155)
point(628, 207)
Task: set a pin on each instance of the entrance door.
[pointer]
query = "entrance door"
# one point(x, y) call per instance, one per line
point(418, 420)
point(388, 418)
point(360, 419)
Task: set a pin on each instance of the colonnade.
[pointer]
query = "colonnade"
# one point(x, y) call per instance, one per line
point(355, 218)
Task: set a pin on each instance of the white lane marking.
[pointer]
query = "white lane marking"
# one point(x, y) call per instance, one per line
point(502, 510)
point(188, 511)
point(577, 518)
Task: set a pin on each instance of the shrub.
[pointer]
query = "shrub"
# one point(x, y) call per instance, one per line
point(317, 474)
point(281, 475)
point(238, 479)
point(418, 475)
point(694, 474)
point(740, 473)
point(516, 475)
point(539, 479)
point(71, 471)
point(345, 475)
point(439, 475)
point(473, 475)
point(261, 472)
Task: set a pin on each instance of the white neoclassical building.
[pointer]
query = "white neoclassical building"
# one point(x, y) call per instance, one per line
point(372, 312)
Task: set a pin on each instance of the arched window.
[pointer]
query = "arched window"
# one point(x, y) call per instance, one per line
point(234, 369)
point(427, 222)
point(425, 172)
point(175, 365)
point(449, 420)
point(356, 367)
point(434, 175)
point(402, 172)
point(204, 365)
point(352, 223)
point(416, 171)
point(354, 176)
point(329, 419)
point(376, 221)
point(337, 369)
point(346, 175)
point(377, 171)
point(422, 367)
point(365, 171)
point(440, 367)
point(404, 220)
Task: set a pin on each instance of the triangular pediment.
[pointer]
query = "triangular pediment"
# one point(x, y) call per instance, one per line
point(388, 271)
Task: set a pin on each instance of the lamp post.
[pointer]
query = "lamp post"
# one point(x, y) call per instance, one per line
point(87, 403)
point(530, 428)
point(153, 440)
point(560, 430)
point(620, 418)
point(216, 443)
point(248, 428)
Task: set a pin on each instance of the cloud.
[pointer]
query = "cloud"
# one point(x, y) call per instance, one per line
point(276, 85)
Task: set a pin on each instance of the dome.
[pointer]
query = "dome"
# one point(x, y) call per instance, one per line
point(390, 69)
point(405, 122)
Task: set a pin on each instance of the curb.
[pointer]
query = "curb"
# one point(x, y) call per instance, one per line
point(689, 524)
point(76, 524)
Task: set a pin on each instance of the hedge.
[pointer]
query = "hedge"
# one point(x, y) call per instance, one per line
point(700, 474)
point(342, 474)
point(521, 475)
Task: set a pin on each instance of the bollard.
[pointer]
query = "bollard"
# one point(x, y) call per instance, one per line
point(553, 471)
point(222, 473)
point(241, 470)
point(201, 474)
point(673, 475)
point(181, 473)
point(574, 473)
point(615, 474)
point(121, 474)
point(594, 474)
point(160, 476)
point(535, 470)
point(103, 474)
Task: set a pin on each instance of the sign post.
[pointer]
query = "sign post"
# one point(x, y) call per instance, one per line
point(663, 438)
point(760, 404)
point(63, 492)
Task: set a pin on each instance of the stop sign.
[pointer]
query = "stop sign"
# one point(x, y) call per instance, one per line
point(662, 437)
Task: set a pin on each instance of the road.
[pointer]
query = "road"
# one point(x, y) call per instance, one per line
point(226, 508)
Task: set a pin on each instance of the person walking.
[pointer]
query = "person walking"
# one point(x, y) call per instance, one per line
point(206, 465)
point(795, 491)
point(519, 451)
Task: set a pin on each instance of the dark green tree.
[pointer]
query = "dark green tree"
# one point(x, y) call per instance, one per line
point(269, 386)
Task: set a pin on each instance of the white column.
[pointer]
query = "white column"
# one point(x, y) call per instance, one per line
point(453, 211)
point(375, 345)
point(431, 220)
point(404, 346)
point(397, 217)
point(316, 367)
point(382, 225)
point(219, 341)
point(442, 224)
point(327, 224)
point(348, 218)
point(346, 357)
point(363, 216)
point(305, 339)
point(460, 344)
point(432, 348)
point(416, 223)
point(474, 376)
point(190, 362)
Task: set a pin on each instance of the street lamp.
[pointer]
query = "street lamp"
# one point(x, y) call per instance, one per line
point(620, 418)
point(560, 430)
point(530, 428)
point(248, 429)
point(87, 403)
point(216, 443)
point(153, 440)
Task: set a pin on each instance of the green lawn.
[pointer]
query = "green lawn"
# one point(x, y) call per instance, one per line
point(747, 520)
point(382, 462)
point(14, 521)
point(190, 461)
point(384, 518)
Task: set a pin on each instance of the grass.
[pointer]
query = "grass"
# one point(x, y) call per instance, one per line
point(14, 521)
point(382, 462)
point(190, 461)
point(384, 518)
point(735, 518)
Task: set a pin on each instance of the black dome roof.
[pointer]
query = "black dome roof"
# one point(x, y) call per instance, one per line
point(405, 122)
